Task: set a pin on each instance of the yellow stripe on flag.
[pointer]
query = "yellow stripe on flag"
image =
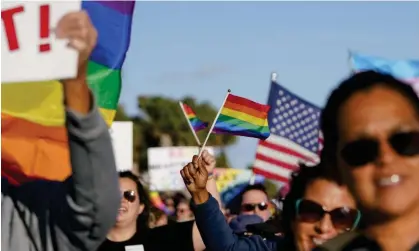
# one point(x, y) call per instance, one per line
point(39, 102)
point(244, 116)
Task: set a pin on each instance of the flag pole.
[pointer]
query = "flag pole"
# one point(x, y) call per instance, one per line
point(273, 77)
point(213, 124)
point(189, 123)
point(351, 68)
point(252, 179)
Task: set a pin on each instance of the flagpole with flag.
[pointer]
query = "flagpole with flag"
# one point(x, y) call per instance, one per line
point(198, 142)
point(213, 124)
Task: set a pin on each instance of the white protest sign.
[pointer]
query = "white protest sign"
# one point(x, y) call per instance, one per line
point(122, 142)
point(165, 163)
point(29, 50)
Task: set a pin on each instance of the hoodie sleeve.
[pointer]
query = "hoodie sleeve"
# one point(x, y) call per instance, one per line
point(92, 196)
point(217, 235)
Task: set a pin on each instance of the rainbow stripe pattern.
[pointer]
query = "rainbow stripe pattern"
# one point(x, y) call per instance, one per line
point(405, 70)
point(243, 117)
point(34, 140)
point(196, 123)
point(157, 202)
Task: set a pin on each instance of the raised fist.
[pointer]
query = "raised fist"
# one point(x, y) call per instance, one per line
point(195, 175)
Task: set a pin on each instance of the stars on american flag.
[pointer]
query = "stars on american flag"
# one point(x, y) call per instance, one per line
point(295, 120)
point(295, 136)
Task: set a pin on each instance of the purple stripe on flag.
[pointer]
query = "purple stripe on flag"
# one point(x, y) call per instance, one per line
point(124, 7)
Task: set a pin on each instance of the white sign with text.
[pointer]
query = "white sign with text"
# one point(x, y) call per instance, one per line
point(122, 142)
point(165, 163)
point(29, 50)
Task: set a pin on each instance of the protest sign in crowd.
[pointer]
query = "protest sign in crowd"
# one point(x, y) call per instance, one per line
point(349, 172)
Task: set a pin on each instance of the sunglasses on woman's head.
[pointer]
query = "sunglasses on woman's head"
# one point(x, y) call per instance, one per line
point(129, 195)
point(251, 207)
point(363, 151)
point(343, 218)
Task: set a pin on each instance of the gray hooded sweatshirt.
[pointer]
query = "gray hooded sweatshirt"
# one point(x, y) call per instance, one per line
point(75, 214)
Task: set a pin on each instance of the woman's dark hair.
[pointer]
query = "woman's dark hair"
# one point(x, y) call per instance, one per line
point(143, 218)
point(357, 82)
point(300, 180)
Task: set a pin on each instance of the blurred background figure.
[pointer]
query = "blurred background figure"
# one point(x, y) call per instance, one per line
point(254, 200)
point(183, 211)
point(239, 223)
point(157, 218)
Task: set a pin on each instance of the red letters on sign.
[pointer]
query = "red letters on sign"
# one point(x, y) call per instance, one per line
point(9, 26)
point(44, 27)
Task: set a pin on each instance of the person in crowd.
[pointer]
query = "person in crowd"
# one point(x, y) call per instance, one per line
point(170, 204)
point(75, 214)
point(157, 218)
point(183, 211)
point(254, 200)
point(239, 223)
point(131, 228)
point(317, 208)
point(371, 132)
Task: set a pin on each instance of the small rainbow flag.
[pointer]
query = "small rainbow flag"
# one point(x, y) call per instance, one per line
point(193, 120)
point(243, 117)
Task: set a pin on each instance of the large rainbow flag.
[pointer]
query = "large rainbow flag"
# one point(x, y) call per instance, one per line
point(34, 141)
point(405, 70)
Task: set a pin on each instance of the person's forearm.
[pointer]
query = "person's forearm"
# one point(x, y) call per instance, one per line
point(94, 189)
point(77, 94)
point(212, 189)
point(200, 197)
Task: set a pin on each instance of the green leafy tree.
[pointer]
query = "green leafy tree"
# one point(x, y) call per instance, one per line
point(222, 160)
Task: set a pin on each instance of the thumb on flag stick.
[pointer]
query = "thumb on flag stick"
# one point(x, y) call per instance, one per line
point(213, 124)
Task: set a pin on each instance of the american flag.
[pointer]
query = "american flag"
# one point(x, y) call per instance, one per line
point(295, 136)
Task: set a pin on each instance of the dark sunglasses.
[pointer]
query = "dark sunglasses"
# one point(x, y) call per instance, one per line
point(251, 207)
point(129, 195)
point(343, 218)
point(363, 151)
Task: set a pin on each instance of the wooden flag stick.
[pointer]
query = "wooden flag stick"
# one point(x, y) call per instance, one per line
point(198, 142)
point(213, 124)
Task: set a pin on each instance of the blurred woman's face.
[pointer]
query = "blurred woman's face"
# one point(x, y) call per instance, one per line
point(183, 212)
point(131, 205)
point(170, 204)
point(378, 151)
point(313, 225)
